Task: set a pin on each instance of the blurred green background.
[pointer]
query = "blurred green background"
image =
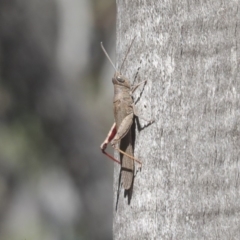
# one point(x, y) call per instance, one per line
point(55, 110)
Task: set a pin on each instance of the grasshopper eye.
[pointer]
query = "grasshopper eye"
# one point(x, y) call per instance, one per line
point(120, 79)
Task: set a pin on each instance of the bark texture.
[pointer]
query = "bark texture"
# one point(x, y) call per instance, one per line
point(189, 185)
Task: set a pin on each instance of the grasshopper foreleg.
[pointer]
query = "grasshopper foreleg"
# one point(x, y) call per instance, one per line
point(136, 86)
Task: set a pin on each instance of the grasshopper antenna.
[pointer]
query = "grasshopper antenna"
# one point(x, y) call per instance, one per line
point(127, 53)
point(107, 56)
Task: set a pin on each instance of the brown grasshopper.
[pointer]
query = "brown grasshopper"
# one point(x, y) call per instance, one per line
point(120, 134)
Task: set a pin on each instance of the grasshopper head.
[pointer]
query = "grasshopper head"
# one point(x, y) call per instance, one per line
point(119, 79)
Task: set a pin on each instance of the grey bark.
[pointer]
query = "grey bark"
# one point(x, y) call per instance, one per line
point(188, 187)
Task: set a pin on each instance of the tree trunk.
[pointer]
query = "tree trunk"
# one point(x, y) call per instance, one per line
point(188, 187)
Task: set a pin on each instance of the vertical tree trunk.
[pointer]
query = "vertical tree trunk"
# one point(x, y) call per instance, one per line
point(188, 187)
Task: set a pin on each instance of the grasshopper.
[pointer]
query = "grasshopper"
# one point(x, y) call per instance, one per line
point(120, 135)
